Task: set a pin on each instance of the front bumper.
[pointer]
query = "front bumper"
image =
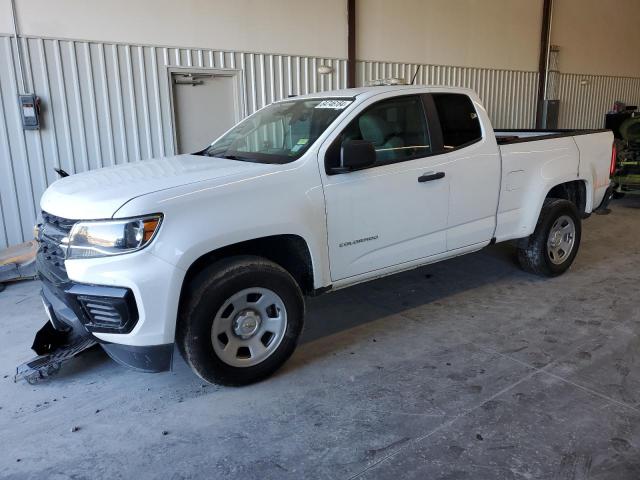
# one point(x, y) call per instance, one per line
point(154, 283)
point(68, 314)
point(127, 303)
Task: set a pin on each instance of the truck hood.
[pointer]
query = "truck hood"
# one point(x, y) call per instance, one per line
point(100, 193)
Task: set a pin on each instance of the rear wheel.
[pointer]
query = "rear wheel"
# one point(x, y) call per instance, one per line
point(554, 244)
point(240, 321)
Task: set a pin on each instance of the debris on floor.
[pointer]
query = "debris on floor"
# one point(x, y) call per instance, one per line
point(18, 262)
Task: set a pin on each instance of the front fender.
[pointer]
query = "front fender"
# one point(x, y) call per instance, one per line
point(209, 216)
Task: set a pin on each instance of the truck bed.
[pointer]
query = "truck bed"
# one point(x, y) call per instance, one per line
point(561, 155)
point(507, 136)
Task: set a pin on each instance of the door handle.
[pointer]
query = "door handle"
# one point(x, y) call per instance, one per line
point(427, 177)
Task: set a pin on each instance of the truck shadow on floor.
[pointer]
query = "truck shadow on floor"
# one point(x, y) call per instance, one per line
point(361, 304)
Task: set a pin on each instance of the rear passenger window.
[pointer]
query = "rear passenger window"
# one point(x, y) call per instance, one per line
point(458, 120)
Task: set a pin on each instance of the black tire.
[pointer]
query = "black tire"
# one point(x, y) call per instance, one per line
point(533, 255)
point(207, 293)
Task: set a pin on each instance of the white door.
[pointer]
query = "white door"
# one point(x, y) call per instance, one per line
point(395, 211)
point(205, 105)
point(474, 170)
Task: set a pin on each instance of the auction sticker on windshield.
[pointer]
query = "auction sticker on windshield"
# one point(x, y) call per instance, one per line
point(334, 104)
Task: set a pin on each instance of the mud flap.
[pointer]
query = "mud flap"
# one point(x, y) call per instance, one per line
point(53, 348)
point(603, 208)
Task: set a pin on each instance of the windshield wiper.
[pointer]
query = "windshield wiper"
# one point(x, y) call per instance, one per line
point(208, 153)
point(236, 157)
point(231, 156)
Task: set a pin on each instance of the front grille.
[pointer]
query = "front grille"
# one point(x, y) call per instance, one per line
point(50, 258)
point(61, 224)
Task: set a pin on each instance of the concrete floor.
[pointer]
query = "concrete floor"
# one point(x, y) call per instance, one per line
point(465, 369)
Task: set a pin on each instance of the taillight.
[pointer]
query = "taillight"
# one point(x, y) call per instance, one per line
point(612, 168)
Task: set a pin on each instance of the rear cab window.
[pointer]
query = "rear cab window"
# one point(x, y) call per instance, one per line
point(459, 120)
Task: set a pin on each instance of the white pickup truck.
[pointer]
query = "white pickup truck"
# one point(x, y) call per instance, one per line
point(215, 251)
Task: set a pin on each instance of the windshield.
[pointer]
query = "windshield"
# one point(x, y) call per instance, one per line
point(280, 132)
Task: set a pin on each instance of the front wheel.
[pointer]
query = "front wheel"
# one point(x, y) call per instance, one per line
point(240, 320)
point(554, 244)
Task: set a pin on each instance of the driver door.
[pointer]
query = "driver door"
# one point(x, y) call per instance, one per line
point(395, 211)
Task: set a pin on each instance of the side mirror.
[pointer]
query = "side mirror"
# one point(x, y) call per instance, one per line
point(356, 154)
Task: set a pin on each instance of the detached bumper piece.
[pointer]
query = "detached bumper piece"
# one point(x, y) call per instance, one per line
point(54, 348)
point(62, 338)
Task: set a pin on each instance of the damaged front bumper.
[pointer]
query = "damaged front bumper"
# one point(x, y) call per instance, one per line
point(75, 311)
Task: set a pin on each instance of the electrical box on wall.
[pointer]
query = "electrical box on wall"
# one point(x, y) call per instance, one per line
point(30, 111)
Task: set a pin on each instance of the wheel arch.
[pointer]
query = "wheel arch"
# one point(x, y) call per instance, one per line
point(534, 251)
point(575, 191)
point(289, 251)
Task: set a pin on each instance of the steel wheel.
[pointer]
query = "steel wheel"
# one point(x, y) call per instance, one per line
point(249, 327)
point(561, 239)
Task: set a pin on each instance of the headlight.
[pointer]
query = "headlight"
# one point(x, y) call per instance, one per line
point(111, 237)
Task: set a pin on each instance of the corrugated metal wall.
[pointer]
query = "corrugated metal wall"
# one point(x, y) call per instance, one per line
point(107, 104)
point(584, 99)
point(508, 95)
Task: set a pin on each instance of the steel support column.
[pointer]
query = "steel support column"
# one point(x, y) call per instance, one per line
point(543, 65)
point(351, 43)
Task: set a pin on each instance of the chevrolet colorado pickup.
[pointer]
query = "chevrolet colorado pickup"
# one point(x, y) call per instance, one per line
point(214, 251)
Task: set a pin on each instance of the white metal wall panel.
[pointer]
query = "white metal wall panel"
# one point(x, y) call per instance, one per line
point(508, 95)
point(584, 99)
point(108, 104)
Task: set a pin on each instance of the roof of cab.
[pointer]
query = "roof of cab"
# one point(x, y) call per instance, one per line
point(366, 92)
